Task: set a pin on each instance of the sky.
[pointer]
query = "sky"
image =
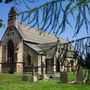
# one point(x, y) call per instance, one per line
point(68, 33)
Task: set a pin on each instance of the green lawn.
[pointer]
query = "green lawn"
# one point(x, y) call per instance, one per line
point(14, 82)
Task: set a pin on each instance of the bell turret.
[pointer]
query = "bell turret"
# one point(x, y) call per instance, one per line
point(12, 17)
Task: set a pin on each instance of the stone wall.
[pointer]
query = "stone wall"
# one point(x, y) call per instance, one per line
point(19, 65)
point(10, 34)
point(33, 57)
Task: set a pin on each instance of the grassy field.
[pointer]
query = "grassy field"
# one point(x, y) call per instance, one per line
point(14, 82)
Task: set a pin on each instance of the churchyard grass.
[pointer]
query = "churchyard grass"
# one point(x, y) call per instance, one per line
point(14, 82)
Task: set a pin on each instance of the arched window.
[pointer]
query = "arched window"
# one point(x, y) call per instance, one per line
point(10, 57)
point(10, 51)
point(28, 60)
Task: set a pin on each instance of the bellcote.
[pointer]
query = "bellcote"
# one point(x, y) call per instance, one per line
point(12, 17)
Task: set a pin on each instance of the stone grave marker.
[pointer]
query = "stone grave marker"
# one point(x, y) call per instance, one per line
point(63, 77)
point(80, 76)
point(33, 77)
point(25, 77)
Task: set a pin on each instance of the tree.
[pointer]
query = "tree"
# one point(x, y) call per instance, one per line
point(6, 2)
point(49, 14)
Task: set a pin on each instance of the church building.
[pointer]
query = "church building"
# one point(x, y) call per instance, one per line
point(22, 46)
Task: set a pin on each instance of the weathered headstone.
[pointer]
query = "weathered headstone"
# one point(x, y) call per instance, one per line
point(25, 77)
point(80, 76)
point(55, 76)
point(33, 77)
point(63, 77)
point(87, 76)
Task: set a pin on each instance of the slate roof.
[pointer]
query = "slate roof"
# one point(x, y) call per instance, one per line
point(43, 48)
point(33, 35)
point(34, 47)
point(47, 49)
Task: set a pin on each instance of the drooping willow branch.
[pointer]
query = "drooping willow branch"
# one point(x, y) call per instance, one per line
point(53, 16)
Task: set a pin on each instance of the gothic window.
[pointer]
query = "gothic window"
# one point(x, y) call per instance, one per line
point(10, 51)
point(10, 56)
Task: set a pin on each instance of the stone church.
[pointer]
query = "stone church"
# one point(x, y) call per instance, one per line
point(21, 46)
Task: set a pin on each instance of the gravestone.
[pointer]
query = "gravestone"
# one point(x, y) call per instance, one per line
point(33, 78)
point(80, 76)
point(55, 76)
point(88, 77)
point(63, 77)
point(25, 77)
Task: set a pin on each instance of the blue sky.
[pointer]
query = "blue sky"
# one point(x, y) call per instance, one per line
point(4, 10)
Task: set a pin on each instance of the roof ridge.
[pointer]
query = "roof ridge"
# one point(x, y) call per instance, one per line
point(33, 35)
point(39, 31)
